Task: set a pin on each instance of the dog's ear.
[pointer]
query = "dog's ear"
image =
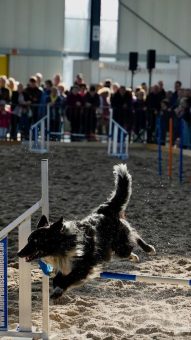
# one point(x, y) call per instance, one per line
point(43, 222)
point(58, 224)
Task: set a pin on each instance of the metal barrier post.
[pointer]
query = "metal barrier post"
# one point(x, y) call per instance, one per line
point(30, 139)
point(48, 127)
point(115, 136)
point(42, 129)
point(36, 136)
point(110, 132)
point(45, 279)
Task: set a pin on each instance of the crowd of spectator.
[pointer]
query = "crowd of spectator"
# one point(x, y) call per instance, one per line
point(85, 110)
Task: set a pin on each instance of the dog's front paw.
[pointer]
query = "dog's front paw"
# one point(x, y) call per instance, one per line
point(152, 250)
point(57, 293)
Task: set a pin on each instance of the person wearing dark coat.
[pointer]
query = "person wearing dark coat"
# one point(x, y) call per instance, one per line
point(153, 103)
point(35, 95)
point(4, 92)
point(121, 102)
point(91, 104)
point(74, 104)
point(20, 118)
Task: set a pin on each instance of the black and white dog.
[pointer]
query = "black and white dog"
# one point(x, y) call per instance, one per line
point(77, 248)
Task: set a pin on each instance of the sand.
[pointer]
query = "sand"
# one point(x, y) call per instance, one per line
point(80, 178)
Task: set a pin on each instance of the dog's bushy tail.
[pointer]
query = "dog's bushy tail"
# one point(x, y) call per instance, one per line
point(120, 197)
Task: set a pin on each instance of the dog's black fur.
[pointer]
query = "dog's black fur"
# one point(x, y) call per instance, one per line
point(76, 248)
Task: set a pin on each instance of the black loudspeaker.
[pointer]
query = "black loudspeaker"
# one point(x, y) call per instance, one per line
point(151, 58)
point(133, 60)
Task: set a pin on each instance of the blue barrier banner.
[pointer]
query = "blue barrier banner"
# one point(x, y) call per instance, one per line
point(3, 285)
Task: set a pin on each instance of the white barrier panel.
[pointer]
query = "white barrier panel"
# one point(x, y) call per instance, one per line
point(118, 140)
point(39, 134)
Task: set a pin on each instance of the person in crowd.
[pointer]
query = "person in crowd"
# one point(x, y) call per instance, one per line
point(45, 98)
point(83, 89)
point(11, 85)
point(162, 92)
point(115, 88)
point(162, 120)
point(48, 85)
point(182, 116)
point(108, 83)
point(153, 102)
point(91, 105)
point(57, 79)
point(62, 90)
point(21, 113)
point(74, 104)
point(174, 99)
point(176, 109)
point(35, 95)
point(174, 103)
point(139, 107)
point(5, 119)
point(186, 107)
point(55, 114)
point(144, 87)
point(137, 89)
point(4, 91)
point(62, 93)
point(79, 79)
point(121, 103)
point(99, 86)
point(103, 112)
point(39, 79)
point(169, 97)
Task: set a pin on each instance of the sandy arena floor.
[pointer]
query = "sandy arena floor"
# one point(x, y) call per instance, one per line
point(80, 178)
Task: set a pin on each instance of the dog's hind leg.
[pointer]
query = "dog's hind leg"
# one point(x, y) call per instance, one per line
point(146, 247)
point(133, 258)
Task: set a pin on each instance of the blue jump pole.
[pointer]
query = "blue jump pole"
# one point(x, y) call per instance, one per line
point(181, 153)
point(159, 145)
point(146, 278)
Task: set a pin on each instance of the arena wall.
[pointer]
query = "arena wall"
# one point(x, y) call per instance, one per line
point(170, 17)
point(33, 36)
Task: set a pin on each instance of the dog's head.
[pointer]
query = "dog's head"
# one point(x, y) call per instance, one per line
point(48, 240)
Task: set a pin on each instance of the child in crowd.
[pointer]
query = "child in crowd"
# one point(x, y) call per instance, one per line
point(5, 118)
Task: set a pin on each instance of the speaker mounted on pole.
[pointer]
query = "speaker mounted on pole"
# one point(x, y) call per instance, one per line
point(151, 59)
point(133, 61)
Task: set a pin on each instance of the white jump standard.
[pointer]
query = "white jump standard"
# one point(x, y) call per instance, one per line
point(23, 222)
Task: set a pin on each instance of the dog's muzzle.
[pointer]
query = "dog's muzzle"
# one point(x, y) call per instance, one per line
point(28, 253)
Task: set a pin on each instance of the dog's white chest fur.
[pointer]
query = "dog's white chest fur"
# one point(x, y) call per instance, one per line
point(62, 263)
